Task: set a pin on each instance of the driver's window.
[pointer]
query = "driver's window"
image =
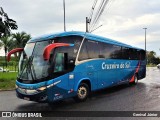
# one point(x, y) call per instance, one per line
point(59, 62)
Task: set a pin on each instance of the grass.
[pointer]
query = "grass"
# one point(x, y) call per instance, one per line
point(7, 80)
point(151, 65)
point(10, 68)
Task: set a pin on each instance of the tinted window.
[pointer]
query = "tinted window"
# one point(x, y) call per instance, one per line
point(134, 54)
point(138, 54)
point(115, 52)
point(89, 50)
point(83, 53)
point(143, 54)
point(105, 49)
point(92, 49)
point(72, 51)
point(125, 53)
point(110, 51)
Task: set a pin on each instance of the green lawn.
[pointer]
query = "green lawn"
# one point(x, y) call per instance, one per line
point(10, 68)
point(151, 65)
point(7, 80)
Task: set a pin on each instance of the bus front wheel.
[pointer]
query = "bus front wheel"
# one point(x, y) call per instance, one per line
point(82, 93)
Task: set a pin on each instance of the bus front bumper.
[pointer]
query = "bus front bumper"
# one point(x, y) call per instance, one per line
point(37, 97)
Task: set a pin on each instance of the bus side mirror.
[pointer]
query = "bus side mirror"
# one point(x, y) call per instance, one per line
point(13, 52)
point(49, 48)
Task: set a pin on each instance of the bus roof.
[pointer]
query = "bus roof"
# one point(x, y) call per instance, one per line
point(82, 34)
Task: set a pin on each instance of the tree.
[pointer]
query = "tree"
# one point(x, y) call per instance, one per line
point(6, 24)
point(7, 43)
point(20, 39)
point(152, 59)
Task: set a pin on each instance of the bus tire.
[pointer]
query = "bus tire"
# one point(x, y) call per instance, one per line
point(82, 93)
point(135, 80)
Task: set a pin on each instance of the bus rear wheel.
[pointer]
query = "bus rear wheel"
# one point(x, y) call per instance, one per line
point(82, 93)
point(135, 80)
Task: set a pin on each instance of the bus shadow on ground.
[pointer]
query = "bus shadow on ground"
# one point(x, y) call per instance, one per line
point(69, 104)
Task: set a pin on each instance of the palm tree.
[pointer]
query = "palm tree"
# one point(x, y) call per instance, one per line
point(6, 24)
point(7, 43)
point(20, 39)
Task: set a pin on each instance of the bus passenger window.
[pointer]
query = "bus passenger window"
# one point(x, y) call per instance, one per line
point(125, 53)
point(83, 53)
point(89, 50)
point(143, 55)
point(104, 50)
point(115, 52)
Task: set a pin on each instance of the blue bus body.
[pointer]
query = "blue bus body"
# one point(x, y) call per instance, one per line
point(98, 73)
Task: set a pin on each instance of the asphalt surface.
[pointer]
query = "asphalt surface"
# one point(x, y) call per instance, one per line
point(145, 96)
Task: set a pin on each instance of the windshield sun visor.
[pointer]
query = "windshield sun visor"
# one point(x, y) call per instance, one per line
point(13, 52)
point(49, 48)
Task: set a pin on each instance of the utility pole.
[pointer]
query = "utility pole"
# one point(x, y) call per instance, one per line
point(64, 15)
point(145, 30)
point(87, 22)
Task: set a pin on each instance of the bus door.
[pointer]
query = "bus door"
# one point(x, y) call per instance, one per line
point(92, 74)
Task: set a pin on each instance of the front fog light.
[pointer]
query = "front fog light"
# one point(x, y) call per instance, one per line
point(42, 88)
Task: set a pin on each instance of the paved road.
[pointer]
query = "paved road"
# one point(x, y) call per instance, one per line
point(145, 96)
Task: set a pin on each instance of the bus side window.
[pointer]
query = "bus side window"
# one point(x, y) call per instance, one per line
point(115, 52)
point(93, 49)
point(138, 55)
point(104, 49)
point(130, 54)
point(143, 56)
point(134, 54)
point(125, 53)
point(89, 50)
point(83, 52)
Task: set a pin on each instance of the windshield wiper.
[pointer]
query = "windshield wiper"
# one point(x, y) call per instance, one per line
point(28, 67)
point(32, 69)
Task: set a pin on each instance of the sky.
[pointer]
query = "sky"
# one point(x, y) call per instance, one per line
point(122, 20)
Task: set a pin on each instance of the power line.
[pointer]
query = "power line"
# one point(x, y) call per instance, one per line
point(94, 18)
point(98, 13)
point(92, 22)
point(92, 10)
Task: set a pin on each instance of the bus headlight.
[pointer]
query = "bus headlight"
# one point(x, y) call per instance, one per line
point(42, 88)
point(27, 91)
point(45, 87)
point(30, 92)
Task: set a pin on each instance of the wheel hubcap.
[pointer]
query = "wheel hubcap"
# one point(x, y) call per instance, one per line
point(82, 92)
point(136, 80)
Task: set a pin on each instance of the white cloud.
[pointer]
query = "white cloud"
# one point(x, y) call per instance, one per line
point(122, 20)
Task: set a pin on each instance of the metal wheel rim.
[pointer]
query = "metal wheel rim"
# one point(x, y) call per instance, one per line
point(136, 80)
point(82, 92)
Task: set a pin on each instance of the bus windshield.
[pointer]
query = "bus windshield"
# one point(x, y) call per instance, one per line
point(31, 65)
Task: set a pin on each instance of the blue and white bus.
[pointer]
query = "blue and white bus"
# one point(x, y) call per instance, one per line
point(73, 64)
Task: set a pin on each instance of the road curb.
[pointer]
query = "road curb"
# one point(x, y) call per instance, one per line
point(6, 90)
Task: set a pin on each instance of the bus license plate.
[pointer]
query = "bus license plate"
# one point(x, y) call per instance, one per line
point(26, 98)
